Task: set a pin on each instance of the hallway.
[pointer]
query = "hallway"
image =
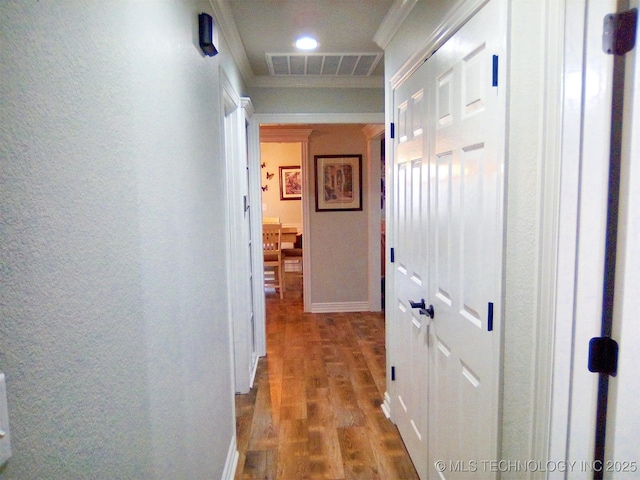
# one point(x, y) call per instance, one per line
point(314, 411)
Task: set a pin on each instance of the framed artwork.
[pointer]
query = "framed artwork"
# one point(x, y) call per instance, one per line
point(338, 182)
point(290, 183)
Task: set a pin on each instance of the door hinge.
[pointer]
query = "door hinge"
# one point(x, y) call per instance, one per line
point(619, 32)
point(392, 130)
point(603, 355)
point(490, 317)
point(393, 374)
point(494, 69)
point(392, 255)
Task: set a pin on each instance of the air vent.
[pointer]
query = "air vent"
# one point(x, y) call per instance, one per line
point(322, 64)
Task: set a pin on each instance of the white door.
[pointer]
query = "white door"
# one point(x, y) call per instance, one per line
point(466, 220)
point(409, 397)
point(449, 222)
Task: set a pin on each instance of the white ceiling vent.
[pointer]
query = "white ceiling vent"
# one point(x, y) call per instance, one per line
point(322, 64)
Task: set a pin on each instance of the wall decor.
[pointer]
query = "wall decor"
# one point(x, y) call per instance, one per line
point(338, 182)
point(290, 183)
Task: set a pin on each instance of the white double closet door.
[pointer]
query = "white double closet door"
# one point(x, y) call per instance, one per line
point(449, 164)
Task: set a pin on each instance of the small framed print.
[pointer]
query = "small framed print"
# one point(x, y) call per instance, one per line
point(338, 182)
point(290, 183)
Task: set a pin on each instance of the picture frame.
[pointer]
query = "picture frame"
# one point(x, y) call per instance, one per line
point(338, 182)
point(291, 183)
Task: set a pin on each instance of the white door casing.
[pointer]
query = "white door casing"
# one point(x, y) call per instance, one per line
point(374, 135)
point(237, 241)
point(587, 75)
point(256, 297)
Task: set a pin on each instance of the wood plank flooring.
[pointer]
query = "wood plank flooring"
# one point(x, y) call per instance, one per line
point(314, 411)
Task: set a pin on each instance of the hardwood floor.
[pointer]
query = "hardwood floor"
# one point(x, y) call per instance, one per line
point(314, 411)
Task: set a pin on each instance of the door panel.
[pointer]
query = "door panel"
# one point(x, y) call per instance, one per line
point(409, 399)
point(465, 220)
point(449, 166)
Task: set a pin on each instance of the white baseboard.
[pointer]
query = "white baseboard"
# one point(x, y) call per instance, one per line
point(231, 463)
point(340, 307)
point(253, 372)
point(386, 405)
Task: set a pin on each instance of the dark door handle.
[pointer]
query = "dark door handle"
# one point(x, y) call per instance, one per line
point(419, 304)
point(428, 311)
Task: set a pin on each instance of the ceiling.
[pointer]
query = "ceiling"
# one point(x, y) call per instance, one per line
point(261, 34)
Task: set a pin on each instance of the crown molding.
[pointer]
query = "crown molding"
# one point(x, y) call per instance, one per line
point(392, 22)
point(280, 134)
point(265, 81)
point(313, 118)
point(224, 20)
point(373, 130)
point(247, 105)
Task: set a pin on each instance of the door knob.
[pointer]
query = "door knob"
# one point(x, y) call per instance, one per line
point(424, 310)
point(428, 311)
point(419, 304)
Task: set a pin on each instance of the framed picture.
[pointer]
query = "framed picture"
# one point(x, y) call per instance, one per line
point(338, 182)
point(290, 183)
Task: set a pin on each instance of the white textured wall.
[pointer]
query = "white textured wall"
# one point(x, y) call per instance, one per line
point(113, 334)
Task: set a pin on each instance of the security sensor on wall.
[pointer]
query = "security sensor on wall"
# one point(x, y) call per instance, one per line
point(206, 35)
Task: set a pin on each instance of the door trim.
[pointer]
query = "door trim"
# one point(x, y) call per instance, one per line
point(585, 148)
point(374, 134)
point(256, 233)
point(257, 272)
point(233, 135)
point(550, 174)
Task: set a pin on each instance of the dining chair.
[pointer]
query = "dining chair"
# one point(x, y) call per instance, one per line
point(273, 259)
point(293, 256)
point(271, 220)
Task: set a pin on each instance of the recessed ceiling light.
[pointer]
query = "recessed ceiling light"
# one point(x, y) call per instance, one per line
point(306, 43)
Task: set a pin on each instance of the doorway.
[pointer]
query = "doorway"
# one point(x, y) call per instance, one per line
point(281, 190)
point(283, 158)
point(340, 239)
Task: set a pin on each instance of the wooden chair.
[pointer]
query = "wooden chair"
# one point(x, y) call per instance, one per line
point(293, 256)
point(271, 220)
point(273, 259)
